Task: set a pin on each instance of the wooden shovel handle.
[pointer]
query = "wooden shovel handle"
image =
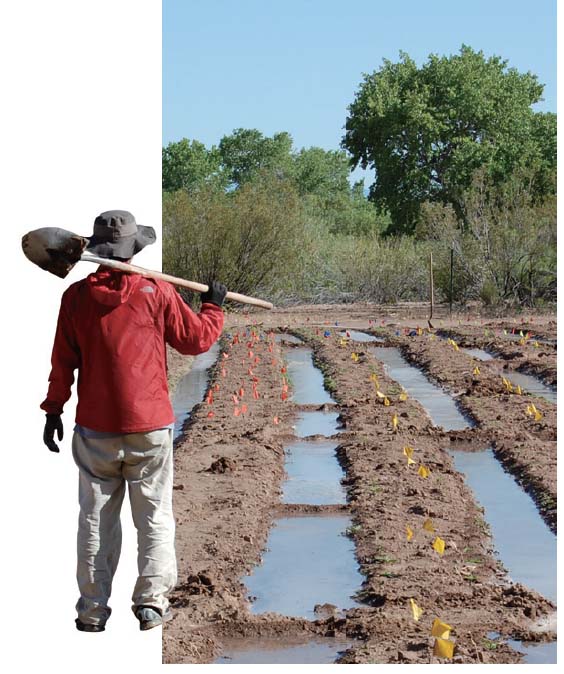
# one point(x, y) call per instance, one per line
point(192, 285)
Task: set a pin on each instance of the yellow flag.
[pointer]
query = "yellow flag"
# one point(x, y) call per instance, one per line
point(536, 344)
point(417, 612)
point(476, 370)
point(538, 415)
point(443, 648)
point(386, 402)
point(354, 357)
point(428, 525)
point(423, 471)
point(519, 390)
point(395, 422)
point(529, 410)
point(439, 545)
point(409, 533)
point(403, 396)
point(455, 345)
point(440, 629)
point(408, 451)
point(380, 394)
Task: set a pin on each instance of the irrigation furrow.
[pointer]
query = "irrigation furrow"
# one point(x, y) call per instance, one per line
point(524, 444)
point(466, 586)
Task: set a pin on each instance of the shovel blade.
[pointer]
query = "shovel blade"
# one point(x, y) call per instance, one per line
point(54, 249)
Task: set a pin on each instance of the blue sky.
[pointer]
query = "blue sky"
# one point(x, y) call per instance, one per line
point(295, 65)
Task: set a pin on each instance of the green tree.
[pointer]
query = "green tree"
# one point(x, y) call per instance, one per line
point(321, 172)
point(427, 130)
point(186, 164)
point(246, 152)
point(248, 238)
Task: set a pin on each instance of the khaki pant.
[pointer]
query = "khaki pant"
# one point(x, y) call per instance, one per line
point(144, 461)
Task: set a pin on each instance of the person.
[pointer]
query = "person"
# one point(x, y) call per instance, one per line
point(113, 328)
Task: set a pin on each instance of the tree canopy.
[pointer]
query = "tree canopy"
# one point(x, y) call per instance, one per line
point(186, 164)
point(427, 130)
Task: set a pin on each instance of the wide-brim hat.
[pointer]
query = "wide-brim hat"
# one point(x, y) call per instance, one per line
point(117, 234)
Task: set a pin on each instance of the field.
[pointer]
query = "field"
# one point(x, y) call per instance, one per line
point(231, 478)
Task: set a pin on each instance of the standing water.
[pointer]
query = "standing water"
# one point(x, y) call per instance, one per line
point(314, 475)
point(527, 382)
point(317, 423)
point(523, 542)
point(306, 380)
point(480, 354)
point(531, 385)
point(191, 389)
point(357, 336)
point(439, 405)
point(309, 561)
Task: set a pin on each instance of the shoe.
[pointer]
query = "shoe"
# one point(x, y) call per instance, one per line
point(150, 617)
point(89, 627)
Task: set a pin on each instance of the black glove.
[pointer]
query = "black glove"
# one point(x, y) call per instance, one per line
point(53, 424)
point(215, 293)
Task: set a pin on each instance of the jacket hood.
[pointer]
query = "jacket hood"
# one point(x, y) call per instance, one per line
point(112, 287)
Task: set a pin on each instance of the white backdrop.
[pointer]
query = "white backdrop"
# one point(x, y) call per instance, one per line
point(80, 133)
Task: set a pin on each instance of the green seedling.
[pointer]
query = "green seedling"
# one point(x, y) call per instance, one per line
point(383, 559)
point(353, 529)
point(490, 645)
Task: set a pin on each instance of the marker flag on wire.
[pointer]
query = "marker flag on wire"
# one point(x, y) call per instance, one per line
point(395, 422)
point(443, 648)
point(439, 545)
point(415, 610)
point(423, 471)
point(476, 370)
point(408, 451)
point(403, 396)
point(440, 629)
point(428, 525)
point(409, 532)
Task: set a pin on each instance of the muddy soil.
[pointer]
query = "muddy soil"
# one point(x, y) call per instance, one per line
point(526, 446)
point(526, 354)
point(228, 485)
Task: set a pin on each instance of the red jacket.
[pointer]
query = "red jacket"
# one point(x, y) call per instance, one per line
point(112, 327)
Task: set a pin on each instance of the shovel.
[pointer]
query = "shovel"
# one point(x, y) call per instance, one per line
point(57, 251)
